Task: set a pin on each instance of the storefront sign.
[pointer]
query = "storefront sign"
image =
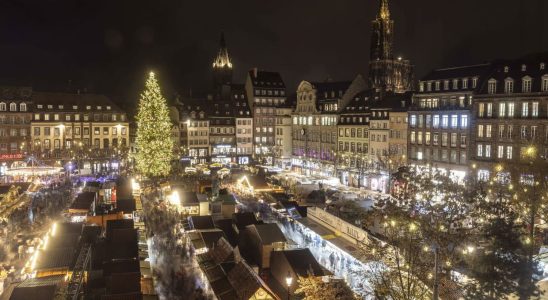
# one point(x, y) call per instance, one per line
point(11, 156)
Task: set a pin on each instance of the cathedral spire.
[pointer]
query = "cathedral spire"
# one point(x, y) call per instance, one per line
point(384, 12)
point(222, 60)
point(222, 70)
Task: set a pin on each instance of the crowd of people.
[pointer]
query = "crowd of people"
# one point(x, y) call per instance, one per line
point(172, 258)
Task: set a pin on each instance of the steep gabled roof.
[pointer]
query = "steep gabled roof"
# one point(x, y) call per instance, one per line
point(266, 79)
point(268, 233)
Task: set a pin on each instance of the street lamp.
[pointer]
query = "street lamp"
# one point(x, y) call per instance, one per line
point(288, 280)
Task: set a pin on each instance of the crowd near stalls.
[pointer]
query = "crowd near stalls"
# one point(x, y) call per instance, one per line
point(96, 250)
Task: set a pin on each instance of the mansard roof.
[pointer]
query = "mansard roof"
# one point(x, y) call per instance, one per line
point(517, 69)
point(266, 79)
point(458, 72)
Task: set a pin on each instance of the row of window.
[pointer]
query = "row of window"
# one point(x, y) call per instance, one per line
point(198, 133)
point(378, 137)
point(433, 138)
point(314, 136)
point(198, 142)
point(244, 122)
point(269, 101)
point(74, 107)
point(224, 130)
point(526, 84)
point(244, 131)
point(199, 124)
point(464, 82)
point(264, 139)
point(13, 132)
point(264, 129)
point(354, 147)
point(68, 143)
point(353, 132)
point(330, 107)
point(13, 106)
point(434, 121)
point(15, 119)
point(76, 117)
point(507, 109)
point(323, 120)
point(484, 151)
point(507, 131)
point(241, 140)
point(269, 92)
point(453, 101)
point(441, 155)
point(68, 131)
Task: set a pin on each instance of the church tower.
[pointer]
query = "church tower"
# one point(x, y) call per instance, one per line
point(381, 36)
point(385, 71)
point(222, 66)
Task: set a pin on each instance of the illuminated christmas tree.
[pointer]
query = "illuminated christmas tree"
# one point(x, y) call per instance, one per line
point(154, 143)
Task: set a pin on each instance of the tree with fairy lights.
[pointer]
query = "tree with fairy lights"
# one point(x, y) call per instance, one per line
point(154, 143)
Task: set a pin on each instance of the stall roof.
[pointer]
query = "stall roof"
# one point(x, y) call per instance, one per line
point(126, 205)
point(121, 266)
point(241, 220)
point(268, 233)
point(301, 261)
point(42, 288)
point(202, 222)
point(55, 258)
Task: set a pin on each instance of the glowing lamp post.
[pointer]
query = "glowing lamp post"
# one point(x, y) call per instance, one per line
point(289, 281)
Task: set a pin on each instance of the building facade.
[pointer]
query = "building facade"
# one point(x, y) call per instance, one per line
point(510, 118)
point(315, 122)
point(86, 130)
point(265, 92)
point(15, 119)
point(283, 147)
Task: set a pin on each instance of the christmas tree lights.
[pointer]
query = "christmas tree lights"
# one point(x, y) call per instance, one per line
point(154, 143)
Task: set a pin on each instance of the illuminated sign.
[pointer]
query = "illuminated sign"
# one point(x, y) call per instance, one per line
point(10, 156)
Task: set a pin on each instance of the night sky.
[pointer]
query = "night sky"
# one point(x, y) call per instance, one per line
point(107, 46)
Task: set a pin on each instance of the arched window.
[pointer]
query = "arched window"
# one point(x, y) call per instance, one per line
point(23, 107)
point(2, 106)
point(13, 106)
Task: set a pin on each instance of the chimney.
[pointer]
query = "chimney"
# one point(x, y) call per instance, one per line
point(255, 70)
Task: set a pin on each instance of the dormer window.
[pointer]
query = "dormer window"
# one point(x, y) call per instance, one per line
point(446, 84)
point(508, 85)
point(75, 107)
point(50, 106)
point(455, 84)
point(437, 85)
point(88, 107)
point(523, 68)
point(465, 83)
point(526, 84)
point(474, 82)
point(23, 107)
point(2, 106)
point(506, 69)
point(492, 86)
point(542, 66)
point(421, 87)
point(61, 106)
point(429, 86)
point(108, 107)
point(13, 106)
point(99, 107)
point(37, 106)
